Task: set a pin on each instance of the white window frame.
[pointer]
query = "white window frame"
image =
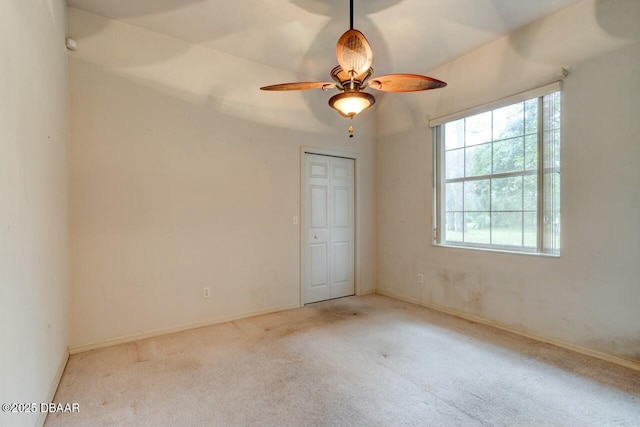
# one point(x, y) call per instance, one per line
point(546, 243)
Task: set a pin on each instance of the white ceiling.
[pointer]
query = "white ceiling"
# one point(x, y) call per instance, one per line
point(409, 36)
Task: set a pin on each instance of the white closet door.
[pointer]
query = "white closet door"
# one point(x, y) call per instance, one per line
point(328, 228)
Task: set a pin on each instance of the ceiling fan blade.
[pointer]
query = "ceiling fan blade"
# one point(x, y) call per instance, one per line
point(354, 53)
point(404, 83)
point(301, 86)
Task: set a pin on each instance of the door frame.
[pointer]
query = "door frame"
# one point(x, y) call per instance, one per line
point(356, 203)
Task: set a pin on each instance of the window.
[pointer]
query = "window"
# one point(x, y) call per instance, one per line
point(497, 175)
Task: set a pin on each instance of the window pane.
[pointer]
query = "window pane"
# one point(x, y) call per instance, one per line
point(478, 129)
point(551, 147)
point(531, 116)
point(477, 227)
point(556, 231)
point(530, 229)
point(531, 152)
point(454, 197)
point(506, 228)
point(454, 164)
point(555, 149)
point(478, 160)
point(454, 134)
point(551, 177)
point(506, 194)
point(508, 122)
point(508, 155)
point(556, 110)
point(476, 195)
point(551, 111)
point(453, 224)
point(530, 193)
point(551, 212)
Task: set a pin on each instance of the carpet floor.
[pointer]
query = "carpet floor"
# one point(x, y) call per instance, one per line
point(357, 361)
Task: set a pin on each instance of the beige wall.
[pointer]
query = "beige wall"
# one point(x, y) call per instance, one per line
point(589, 296)
point(184, 177)
point(33, 203)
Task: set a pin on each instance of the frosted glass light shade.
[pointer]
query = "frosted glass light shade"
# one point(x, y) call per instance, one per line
point(348, 104)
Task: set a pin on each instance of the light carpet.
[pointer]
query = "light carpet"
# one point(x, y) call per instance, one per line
point(357, 361)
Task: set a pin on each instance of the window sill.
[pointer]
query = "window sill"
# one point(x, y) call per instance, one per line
point(502, 251)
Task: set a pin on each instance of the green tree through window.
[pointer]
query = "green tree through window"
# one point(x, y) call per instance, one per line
point(492, 190)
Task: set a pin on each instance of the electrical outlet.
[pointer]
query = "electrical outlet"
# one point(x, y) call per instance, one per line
point(295, 220)
point(206, 292)
point(420, 278)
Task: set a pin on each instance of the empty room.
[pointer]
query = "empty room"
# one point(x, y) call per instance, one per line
point(320, 213)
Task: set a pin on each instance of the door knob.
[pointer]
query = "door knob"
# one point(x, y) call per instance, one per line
point(315, 237)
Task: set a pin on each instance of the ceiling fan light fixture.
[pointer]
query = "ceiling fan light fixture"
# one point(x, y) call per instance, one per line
point(348, 104)
point(354, 73)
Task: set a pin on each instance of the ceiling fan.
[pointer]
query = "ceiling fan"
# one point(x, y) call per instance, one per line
point(354, 74)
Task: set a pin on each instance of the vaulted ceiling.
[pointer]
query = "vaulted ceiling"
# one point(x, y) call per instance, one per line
point(300, 35)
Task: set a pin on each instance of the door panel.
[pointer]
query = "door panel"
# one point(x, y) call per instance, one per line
point(318, 170)
point(340, 172)
point(328, 228)
point(340, 207)
point(341, 270)
point(318, 265)
point(319, 206)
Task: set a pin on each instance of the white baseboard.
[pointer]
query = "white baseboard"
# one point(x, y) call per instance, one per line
point(628, 363)
point(54, 386)
point(158, 332)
